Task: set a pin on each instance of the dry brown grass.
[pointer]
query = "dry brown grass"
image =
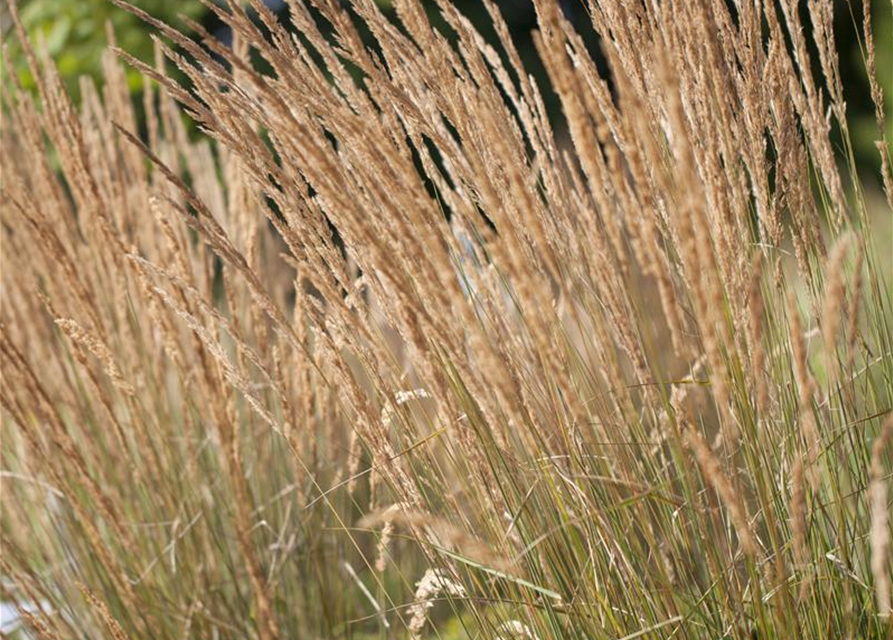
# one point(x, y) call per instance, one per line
point(604, 363)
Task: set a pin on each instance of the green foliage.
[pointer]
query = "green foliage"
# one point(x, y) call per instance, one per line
point(74, 33)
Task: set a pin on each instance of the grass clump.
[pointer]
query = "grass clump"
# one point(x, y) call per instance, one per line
point(388, 353)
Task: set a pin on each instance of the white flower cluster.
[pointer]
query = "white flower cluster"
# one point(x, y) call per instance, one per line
point(402, 397)
point(516, 629)
point(432, 584)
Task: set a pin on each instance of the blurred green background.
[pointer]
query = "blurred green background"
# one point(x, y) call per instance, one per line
point(74, 33)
